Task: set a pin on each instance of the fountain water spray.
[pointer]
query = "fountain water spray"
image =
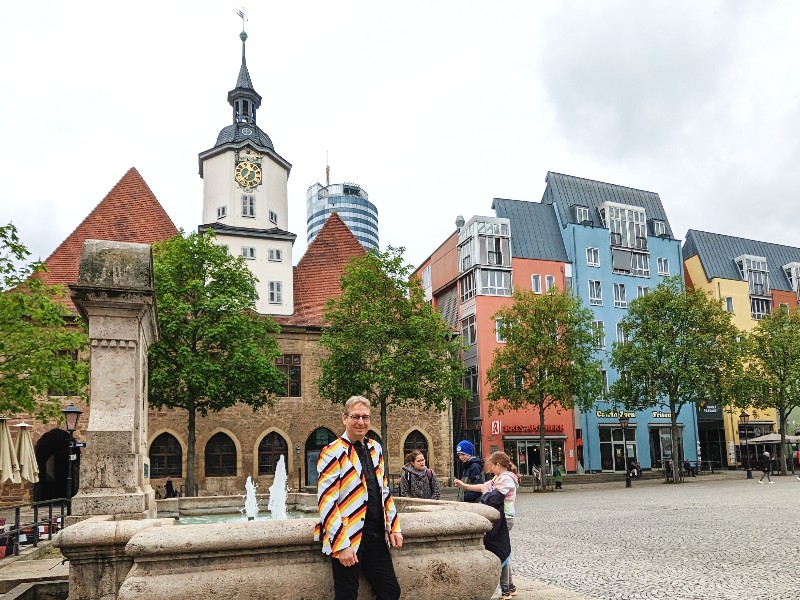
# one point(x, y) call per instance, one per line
point(277, 491)
point(250, 501)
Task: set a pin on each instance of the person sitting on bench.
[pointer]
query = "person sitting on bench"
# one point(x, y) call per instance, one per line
point(689, 469)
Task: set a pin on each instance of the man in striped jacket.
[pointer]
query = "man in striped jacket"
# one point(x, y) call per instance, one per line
point(358, 519)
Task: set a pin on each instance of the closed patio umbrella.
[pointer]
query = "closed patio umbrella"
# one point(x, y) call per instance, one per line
point(9, 466)
point(28, 467)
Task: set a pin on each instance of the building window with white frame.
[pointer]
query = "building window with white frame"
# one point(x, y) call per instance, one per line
point(582, 214)
point(495, 283)
point(499, 331)
point(275, 255)
point(659, 228)
point(642, 290)
point(426, 277)
point(621, 334)
point(640, 264)
point(599, 331)
point(760, 308)
point(248, 206)
point(249, 252)
point(627, 224)
point(469, 332)
point(467, 285)
point(620, 299)
point(592, 257)
point(536, 284)
point(663, 266)
point(276, 292)
point(729, 303)
point(604, 375)
point(595, 293)
point(273, 217)
point(550, 282)
point(222, 212)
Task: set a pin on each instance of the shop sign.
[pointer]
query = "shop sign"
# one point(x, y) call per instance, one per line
point(661, 415)
point(532, 428)
point(613, 414)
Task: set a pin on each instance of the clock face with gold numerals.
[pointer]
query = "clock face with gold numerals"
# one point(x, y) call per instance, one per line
point(247, 174)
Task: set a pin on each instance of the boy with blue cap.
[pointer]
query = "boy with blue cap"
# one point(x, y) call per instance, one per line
point(471, 468)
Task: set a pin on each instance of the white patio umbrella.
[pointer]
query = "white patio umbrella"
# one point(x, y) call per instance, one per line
point(28, 467)
point(9, 466)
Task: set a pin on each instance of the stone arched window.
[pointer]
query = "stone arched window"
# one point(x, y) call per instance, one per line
point(270, 449)
point(371, 435)
point(166, 457)
point(416, 441)
point(220, 456)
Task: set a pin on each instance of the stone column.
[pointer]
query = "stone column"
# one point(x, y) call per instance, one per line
point(114, 294)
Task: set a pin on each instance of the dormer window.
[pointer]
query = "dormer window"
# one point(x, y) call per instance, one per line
point(792, 271)
point(627, 224)
point(659, 228)
point(753, 269)
point(582, 215)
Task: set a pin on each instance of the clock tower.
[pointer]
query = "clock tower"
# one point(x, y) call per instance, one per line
point(245, 198)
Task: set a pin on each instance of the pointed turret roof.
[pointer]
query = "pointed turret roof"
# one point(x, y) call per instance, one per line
point(130, 212)
point(317, 276)
point(243, 132)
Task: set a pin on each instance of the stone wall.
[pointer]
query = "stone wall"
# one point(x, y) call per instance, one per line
point(294, 419)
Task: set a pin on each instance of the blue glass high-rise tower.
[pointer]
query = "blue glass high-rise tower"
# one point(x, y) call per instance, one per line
point(351, 203)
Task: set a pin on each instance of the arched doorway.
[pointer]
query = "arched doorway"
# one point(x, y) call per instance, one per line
point(319, 438)
point(51, 456)
point(416, 441)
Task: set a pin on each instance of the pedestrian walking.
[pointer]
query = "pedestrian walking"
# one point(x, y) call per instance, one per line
point(417, 480)
point(764, 460)
point(558, 475)
point(352, 478)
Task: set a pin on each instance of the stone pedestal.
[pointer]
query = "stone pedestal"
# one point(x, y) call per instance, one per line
point(114, 294)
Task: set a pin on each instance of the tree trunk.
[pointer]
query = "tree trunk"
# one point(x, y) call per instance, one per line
point(192, 435)
point(384, 434)
point(782, 448)
point(674, 435)
point(542, 460)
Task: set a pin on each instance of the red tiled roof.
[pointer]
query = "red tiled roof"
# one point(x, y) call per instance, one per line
point(317, 276)
point(130, 212)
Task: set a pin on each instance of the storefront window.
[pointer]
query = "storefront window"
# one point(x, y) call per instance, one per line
point(525, 453)
point(612, 451)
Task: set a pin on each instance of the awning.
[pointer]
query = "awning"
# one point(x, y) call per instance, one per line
point(772, 438)
point(9, 466)
point(28, 467)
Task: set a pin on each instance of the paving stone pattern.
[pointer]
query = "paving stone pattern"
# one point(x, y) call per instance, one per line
point(710, 538)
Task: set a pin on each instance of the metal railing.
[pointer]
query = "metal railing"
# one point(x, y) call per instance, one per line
point(46, 518)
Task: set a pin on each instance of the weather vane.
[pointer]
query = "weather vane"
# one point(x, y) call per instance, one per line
point(240, 12)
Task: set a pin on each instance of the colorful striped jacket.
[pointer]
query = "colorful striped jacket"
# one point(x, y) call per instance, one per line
point(342, 495)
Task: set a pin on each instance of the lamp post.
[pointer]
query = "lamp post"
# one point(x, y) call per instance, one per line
point(71, 415)
point(623, 422)
point(477, 421)
point(744, 419)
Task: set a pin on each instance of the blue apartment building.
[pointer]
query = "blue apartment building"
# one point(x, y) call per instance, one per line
point(621, 245)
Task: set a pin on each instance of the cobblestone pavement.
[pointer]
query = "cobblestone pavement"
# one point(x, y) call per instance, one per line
point(711, 538)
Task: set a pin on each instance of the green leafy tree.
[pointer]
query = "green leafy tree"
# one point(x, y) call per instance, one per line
point(213, 350)
point(547, 360)
point(386, 342)
point(40, 342)
point(680, 349)
point(771, 378)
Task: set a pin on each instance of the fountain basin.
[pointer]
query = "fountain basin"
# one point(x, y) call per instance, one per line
point(442, 557)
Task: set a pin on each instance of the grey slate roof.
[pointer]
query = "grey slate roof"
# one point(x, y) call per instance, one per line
point(565, 191)
point(269, 234)
point(534, 229)
point(232, 134)
point(718, 252)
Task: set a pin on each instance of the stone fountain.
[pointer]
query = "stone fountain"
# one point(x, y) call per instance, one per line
point(117, 551)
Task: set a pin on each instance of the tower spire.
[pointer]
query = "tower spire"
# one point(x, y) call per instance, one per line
point(243, 98)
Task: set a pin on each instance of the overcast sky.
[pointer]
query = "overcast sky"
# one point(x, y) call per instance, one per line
point(433, 107)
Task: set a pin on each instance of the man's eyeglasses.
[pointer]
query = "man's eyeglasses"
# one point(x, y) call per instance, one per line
point(364, 418)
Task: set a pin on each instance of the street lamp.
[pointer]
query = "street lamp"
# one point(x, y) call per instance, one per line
point(71, 415)
point(476, 421)
point(744, 419)
point(623, 422)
